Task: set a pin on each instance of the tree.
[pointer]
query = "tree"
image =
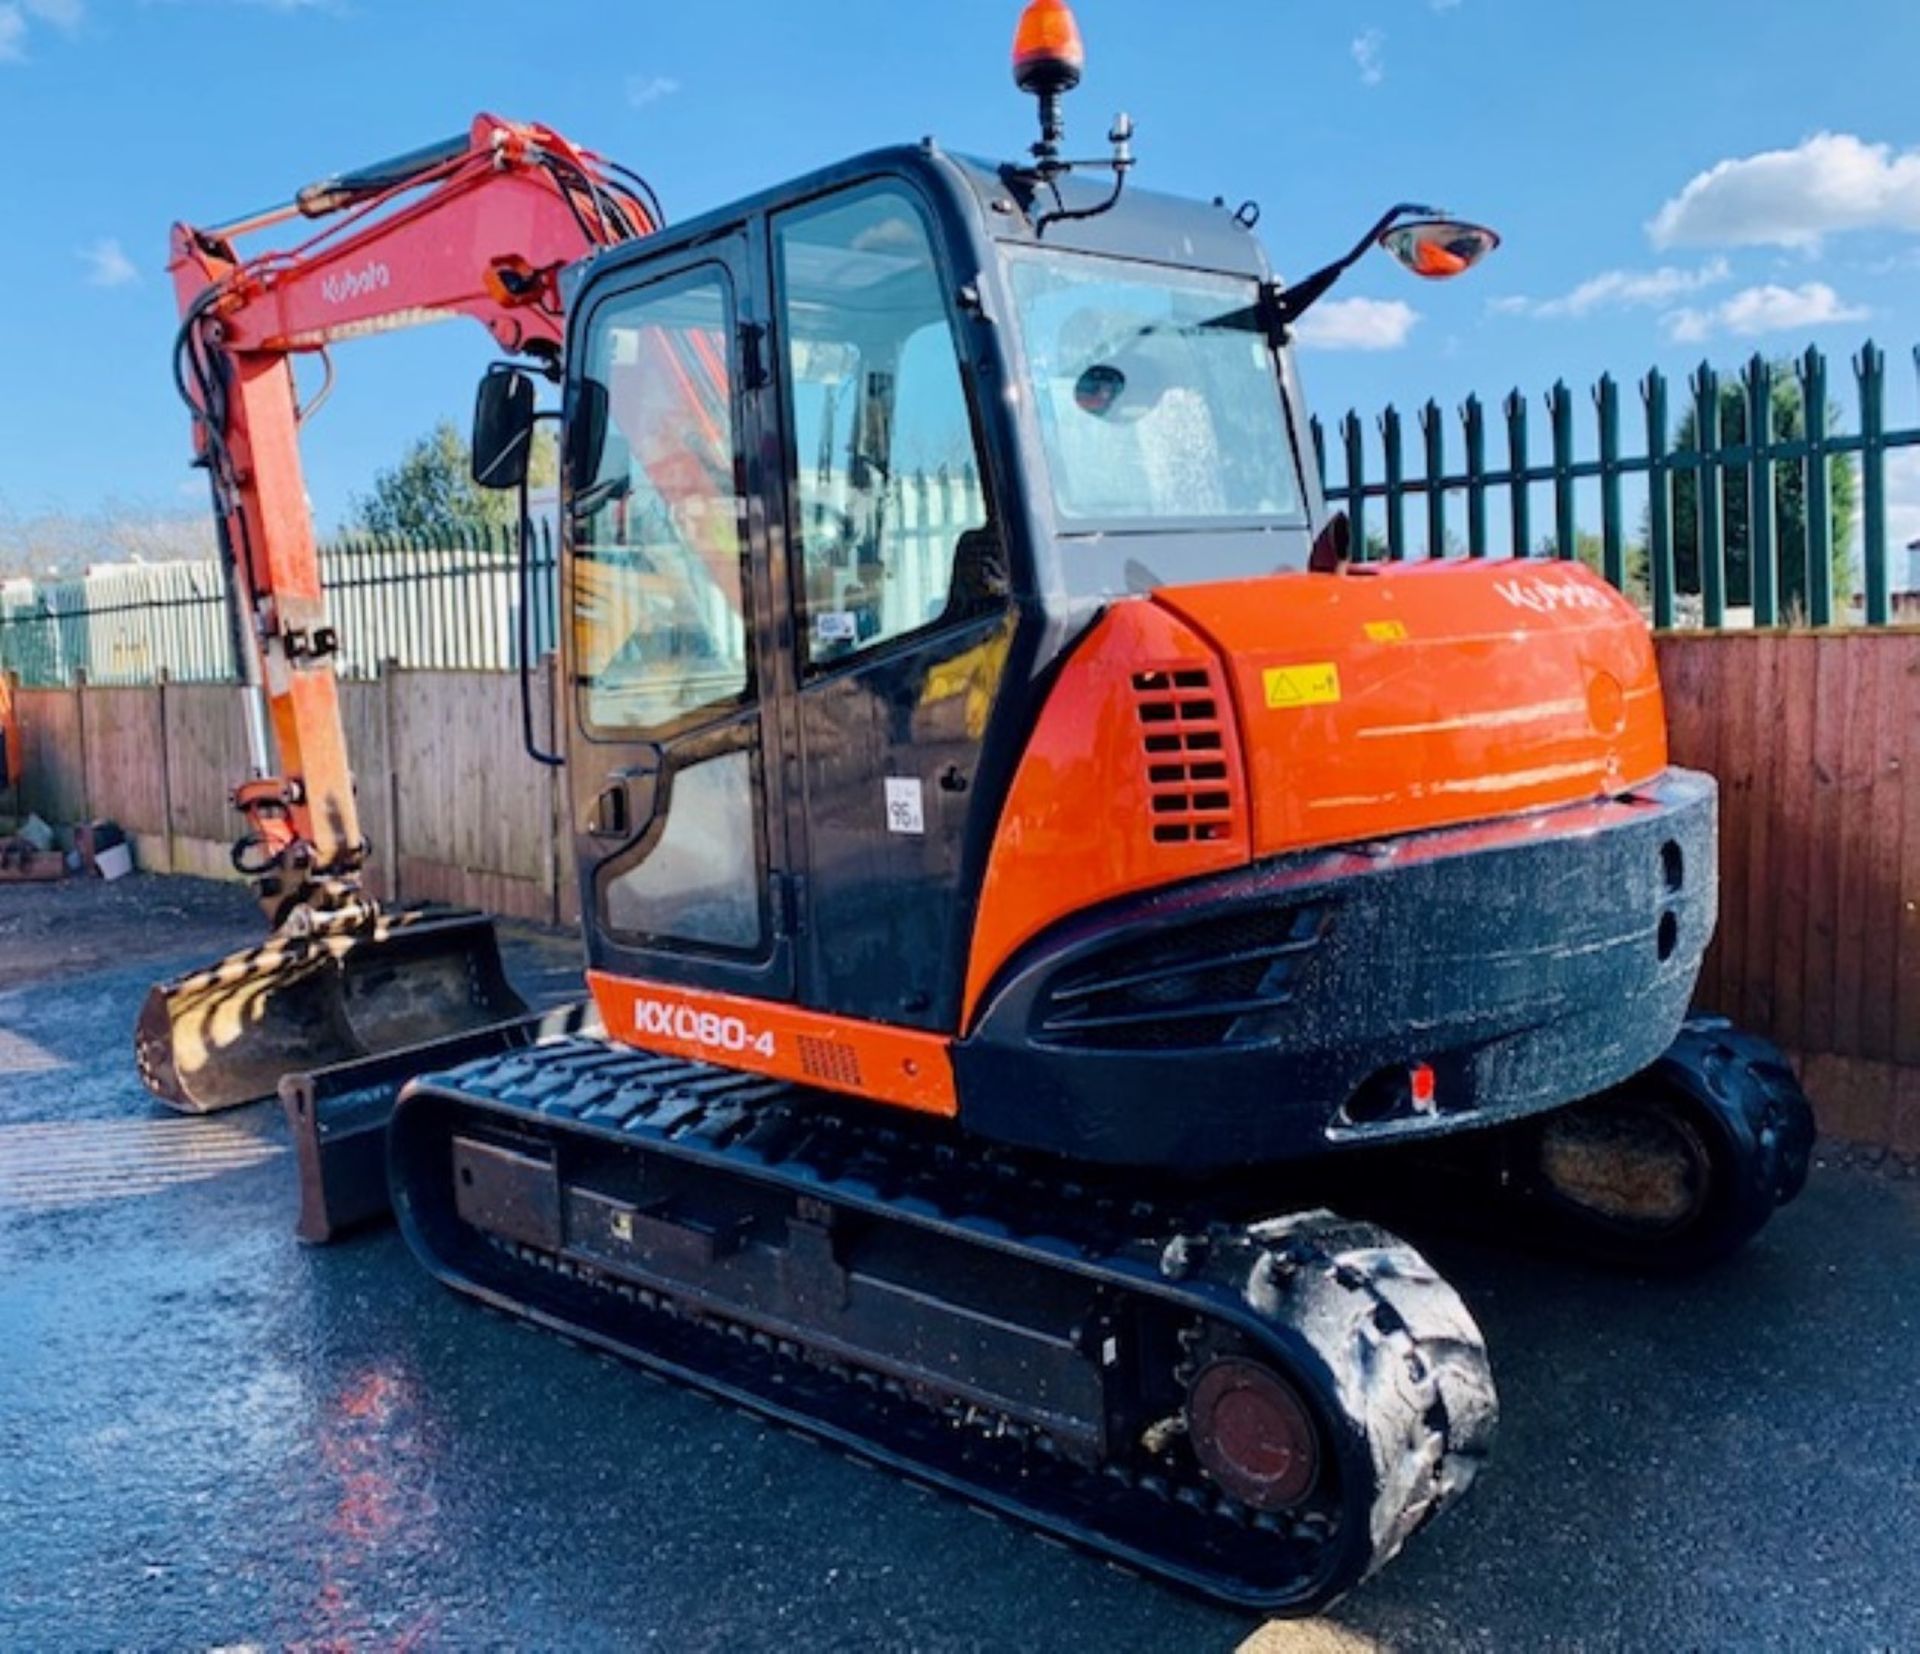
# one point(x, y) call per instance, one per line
point(67, 543)
point(432, 491)
point(1789, 500)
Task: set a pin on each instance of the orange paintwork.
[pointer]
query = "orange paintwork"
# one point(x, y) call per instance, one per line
point(1466, 690)
point(12, 759)
point(903, 1066)
point(1077, 827)
point(1383, 701)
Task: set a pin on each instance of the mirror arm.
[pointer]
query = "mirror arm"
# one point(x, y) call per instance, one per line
point(523, 532)
point(1291, 303)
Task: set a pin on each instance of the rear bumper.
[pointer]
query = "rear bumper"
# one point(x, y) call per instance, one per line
point(1276, 1012)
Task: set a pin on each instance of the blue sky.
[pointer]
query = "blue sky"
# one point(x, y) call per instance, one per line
point(1674, 180)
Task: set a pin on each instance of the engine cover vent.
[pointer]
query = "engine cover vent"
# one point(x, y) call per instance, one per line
point(1185, 742)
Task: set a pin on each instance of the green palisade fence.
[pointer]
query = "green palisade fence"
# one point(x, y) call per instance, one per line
point(1778, 444)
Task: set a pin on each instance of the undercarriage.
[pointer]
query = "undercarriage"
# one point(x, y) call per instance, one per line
point(1260, 1408)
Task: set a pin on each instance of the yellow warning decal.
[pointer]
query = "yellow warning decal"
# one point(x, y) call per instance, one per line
point(1387, 631)
point(1289, 686)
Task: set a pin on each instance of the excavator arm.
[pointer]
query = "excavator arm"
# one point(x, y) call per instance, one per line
point(477, 226)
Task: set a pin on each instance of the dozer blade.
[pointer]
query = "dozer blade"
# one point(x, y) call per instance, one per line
point(226, 1035)
point(338, 1116)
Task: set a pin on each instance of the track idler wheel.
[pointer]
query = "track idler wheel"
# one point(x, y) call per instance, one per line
point(1253, 1435)
point(1373, 1412)
point(1679, 1166)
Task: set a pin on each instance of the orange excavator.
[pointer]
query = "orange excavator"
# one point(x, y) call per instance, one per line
point(1010, 928)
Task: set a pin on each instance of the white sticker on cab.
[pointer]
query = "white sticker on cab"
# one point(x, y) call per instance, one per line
point(906, 805)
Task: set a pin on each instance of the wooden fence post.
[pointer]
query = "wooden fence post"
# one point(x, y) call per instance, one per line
point(161, 680)
point(386, 673)
point(80, 723)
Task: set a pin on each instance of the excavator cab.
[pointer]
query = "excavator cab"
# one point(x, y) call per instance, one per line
point(958, 717)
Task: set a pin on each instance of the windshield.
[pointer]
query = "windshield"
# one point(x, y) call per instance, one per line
point(1156, 392)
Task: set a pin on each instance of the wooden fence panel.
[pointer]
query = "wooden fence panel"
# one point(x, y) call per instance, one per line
point(53, 762)
point(206, 756)
point(476, 814)
point(365, 706)
point(125, 742)
point(1816, 739)
point(1905, 794)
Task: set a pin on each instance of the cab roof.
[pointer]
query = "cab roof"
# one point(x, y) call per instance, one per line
point(988, 202)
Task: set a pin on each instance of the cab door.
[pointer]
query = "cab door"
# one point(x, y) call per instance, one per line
point(678, 815)
point(902, 594)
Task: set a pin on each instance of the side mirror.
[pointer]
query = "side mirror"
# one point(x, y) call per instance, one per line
point(502, 428)
point(1436, 249)
point(586, 438)
point(1427, 244)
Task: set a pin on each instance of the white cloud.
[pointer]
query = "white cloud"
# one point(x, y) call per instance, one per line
point(645, 89)
point(1356, 324)
point(1620, 290)
point(1768, 309)
point(107, 264)
point(17, 18)
point(1370, 55)
point(1793, 197)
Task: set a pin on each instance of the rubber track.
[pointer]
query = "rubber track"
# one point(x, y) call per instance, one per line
point(1406, 1361)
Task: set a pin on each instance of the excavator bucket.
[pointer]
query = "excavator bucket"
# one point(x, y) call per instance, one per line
point(227, 1035)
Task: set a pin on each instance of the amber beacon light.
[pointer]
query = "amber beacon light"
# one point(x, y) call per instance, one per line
point(1047, 51)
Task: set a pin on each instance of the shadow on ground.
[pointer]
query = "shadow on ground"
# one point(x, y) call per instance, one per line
point(209, 1435)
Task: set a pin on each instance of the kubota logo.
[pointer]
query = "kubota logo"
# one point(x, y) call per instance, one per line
point(371, 277)
point(1543, 597)
point(708, 1028)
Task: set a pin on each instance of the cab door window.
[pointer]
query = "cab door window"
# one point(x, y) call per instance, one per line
point(889, 512)
point(659, 575)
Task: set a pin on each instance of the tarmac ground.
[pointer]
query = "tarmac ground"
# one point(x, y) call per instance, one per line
point(211, 1436)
